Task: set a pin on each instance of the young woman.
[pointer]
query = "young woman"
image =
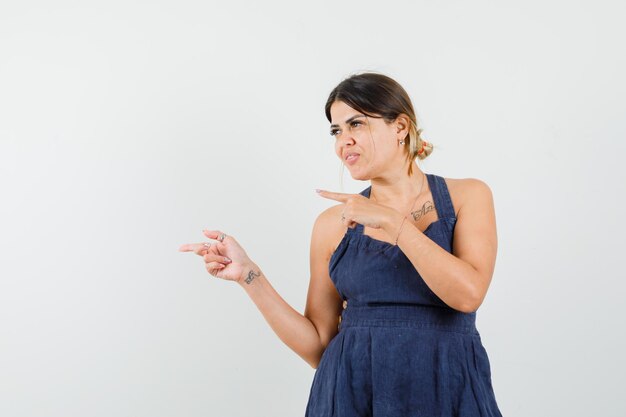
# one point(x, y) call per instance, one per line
point(397, 273)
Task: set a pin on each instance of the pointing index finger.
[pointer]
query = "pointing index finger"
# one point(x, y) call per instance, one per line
point(185, 248)
point(197, 248)
point(342, 197)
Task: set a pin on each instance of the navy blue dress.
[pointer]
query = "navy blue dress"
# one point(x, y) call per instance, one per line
point(400, 350)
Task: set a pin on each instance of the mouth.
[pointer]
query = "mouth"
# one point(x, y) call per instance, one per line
point(351, 158)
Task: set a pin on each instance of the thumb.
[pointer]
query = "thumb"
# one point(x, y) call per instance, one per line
point(212, 234)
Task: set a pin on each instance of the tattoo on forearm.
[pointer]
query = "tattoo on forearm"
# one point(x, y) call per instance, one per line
point(417, 214)
point(251, 276)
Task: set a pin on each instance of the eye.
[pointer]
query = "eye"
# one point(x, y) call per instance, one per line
point(353, 123)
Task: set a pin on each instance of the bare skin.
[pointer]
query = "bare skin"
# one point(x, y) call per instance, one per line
point(460, 279)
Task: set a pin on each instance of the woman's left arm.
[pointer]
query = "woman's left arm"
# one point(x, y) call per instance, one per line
point(460, 279)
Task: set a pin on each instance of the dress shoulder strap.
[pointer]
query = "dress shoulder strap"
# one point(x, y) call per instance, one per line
point(441, 195)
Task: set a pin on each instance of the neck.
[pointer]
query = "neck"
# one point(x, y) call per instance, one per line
point(397, 188)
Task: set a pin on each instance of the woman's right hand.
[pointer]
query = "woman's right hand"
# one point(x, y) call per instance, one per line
point(223, 259)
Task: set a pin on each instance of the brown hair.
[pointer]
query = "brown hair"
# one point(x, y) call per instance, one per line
point(377, 95)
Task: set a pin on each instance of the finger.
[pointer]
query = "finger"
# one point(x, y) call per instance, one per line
point(342, 197)
point(214, 268)
point(220, 247)
point(204, 248)
point(197, 248)
point(349, 223)
point(209, 257)
point(214, 234)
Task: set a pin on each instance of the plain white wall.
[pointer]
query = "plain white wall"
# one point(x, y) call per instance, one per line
point(127, 127)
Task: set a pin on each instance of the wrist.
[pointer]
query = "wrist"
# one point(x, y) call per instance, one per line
point(392, 223)
point(250, 272)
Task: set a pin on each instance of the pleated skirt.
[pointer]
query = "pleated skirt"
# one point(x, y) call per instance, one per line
point(403, 361)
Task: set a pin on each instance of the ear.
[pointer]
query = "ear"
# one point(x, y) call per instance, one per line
point(402, 123)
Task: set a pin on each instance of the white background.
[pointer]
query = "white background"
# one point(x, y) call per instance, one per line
point(127, 127)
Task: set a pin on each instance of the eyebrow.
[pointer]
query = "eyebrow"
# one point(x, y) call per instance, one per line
point(349, 120)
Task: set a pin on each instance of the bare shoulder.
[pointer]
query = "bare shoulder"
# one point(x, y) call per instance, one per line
point(466, 189)
point(323, 305)
point(329, 228)
point(475, 236)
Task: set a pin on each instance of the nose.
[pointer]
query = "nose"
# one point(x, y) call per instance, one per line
point(345, 138)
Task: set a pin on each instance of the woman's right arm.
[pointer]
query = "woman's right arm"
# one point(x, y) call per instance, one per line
point(308, 334)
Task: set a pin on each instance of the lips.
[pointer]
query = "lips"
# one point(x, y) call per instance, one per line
point(351, 158)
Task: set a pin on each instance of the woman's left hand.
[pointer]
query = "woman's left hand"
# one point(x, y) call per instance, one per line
point(362, 210)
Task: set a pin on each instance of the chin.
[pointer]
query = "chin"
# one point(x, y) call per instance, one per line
point(359, 176)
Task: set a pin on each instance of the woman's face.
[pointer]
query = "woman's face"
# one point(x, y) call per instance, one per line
point(366, 145)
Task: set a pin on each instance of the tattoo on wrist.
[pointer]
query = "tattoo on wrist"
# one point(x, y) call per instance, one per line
point(251, 276)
